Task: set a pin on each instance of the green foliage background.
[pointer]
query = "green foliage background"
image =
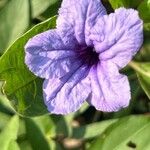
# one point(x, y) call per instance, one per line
point(24, 121)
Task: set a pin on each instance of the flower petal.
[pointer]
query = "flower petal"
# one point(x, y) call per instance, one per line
point(110, 90)
point(49, 56)
point(118, 36)
point(78, 16)
point(66, 95)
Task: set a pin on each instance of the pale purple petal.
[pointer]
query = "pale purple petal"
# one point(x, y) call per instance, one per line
point(67, 94)
point(49, 56)
point(78, 16)
point(118, 36)
point(110, 89)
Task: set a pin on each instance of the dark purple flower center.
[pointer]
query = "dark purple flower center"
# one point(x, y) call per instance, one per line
point(88, 56)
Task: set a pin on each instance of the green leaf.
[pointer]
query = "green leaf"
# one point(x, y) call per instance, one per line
point(147, 27)
point(83, 108)
point(118, 3)
point(13, 145)
point(9, 133)
point(143, 72)
point(144, 10)
point(39, 6)
point(46, 124)
point(144, 54)
point(126, 133)
point(61, 121)
point(91, 130)
point(52, 9)
point(5, 106)
point(14, 19)
point(23, 89)
point(145, 83)
point(35, 136)
point(4, 119)
point(3, 3)
point(25, 145)
point(45, 129)
point(124, 3)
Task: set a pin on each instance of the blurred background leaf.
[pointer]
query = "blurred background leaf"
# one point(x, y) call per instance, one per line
point(14, 17)
point(144, 54)
point(9, 134)
point(144, 10)
point(124, 3)
point(39, 141)
point(52, 9)
point(91, 130)
point(40, 6)
point(143, 71)
point(127, 133)
point(3, 3)
point(13, 146)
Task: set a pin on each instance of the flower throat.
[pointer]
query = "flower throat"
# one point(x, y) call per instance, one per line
point(88, 56)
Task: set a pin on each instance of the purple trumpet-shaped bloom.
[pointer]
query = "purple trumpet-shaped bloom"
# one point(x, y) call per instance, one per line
point(80, 59)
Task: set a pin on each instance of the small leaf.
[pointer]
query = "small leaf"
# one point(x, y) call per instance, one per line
point(144, 10)
point(9, 133)
point(143, 72)
point(124, 3)
point(126, 133)
point(23, 89)
point(14, 19)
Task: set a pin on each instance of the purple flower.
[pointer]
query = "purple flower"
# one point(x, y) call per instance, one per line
point(80, 59)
